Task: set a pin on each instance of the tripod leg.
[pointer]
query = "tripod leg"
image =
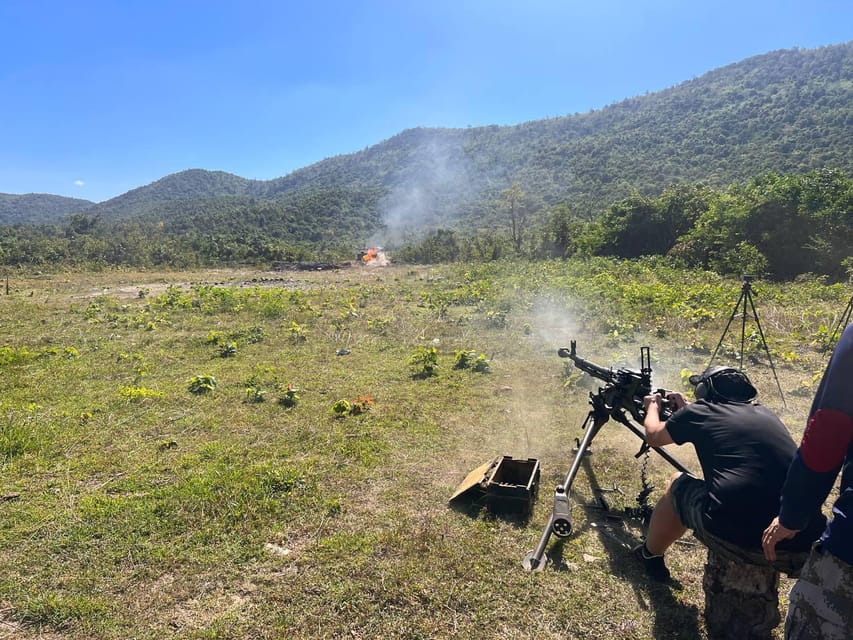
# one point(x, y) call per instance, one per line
point(745, 295)
point(766, 350)
point(843, 321)
point(560, 522)
point(726, 330)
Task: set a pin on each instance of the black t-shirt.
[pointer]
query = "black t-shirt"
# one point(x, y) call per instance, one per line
point(745, 451)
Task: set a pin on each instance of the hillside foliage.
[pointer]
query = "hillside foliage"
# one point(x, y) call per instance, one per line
point(744, 168)
point(788, 111)
point(779, 226)
point(33, 208)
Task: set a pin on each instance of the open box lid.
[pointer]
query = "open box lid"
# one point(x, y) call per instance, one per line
point(474, 484)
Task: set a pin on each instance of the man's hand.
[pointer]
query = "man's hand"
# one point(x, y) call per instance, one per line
point(652, 398)
point(676, 400)
point(773, 535)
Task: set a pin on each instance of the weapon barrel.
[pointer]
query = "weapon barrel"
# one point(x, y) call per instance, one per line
point(586, 366)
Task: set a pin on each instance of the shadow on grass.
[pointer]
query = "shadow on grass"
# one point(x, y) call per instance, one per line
point(672, 618)
point(477, 507)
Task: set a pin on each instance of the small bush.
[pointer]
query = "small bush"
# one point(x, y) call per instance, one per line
point(297, 332)
point(228, 350)
point(362, 404)
point(202, 384)
point(470, 360)
point(290, 397)
point(425, 361)
point(341, 408)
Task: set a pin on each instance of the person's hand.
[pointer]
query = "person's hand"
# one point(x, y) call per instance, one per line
point(676, 400)
point(651, 398)
point(773, 535)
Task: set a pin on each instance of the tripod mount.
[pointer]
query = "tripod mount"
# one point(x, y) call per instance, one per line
point(744, 302)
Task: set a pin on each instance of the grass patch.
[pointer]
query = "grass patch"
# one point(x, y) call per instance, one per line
point(147, 508)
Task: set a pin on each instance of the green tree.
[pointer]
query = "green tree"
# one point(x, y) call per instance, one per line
point(515, 205)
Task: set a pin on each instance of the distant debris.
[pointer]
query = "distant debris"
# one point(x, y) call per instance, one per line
point(308, 266)
point(277, 549)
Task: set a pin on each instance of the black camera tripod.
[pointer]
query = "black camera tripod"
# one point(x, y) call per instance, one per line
point(741, 306)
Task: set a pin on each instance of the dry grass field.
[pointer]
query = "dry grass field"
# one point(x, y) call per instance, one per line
point(254, 454)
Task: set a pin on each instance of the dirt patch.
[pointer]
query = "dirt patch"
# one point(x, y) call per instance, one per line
point(10, 629)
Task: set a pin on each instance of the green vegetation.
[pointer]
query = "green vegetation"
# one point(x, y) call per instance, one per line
point(134, 509)
point(470, 360)
point(786, 112)
point(290, 397)
point(36, 208)
point(777, 226)
point(148, 489)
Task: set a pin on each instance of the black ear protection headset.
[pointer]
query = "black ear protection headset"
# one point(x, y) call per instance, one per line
point(726, 383)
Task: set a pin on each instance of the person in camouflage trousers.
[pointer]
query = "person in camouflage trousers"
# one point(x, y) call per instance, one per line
point(821, 602)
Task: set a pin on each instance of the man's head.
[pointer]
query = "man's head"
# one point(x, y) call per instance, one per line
point(723, 383)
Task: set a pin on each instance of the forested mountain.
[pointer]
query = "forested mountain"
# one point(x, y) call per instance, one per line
point(787, 112)
point(32, 208)
point(186, 186)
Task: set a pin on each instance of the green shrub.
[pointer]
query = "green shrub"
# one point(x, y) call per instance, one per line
point(425, 361)
point(202, 384)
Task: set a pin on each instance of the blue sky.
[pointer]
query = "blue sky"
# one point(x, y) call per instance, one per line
point(97, 97)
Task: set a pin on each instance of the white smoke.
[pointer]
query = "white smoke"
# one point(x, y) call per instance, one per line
point(429, 188)
point(553, 324)
point(405, 211)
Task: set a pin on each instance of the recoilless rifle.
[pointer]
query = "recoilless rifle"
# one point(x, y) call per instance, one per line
point(621, 398)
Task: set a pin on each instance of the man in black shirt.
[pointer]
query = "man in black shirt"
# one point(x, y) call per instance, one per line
point(744, 450)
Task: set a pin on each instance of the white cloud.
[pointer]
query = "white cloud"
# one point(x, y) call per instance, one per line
point(79, 183)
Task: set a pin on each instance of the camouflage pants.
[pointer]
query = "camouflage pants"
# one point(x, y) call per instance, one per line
point(741, 600)
point(821, 602)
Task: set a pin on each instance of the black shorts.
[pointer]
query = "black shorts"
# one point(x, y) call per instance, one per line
point(689, 497)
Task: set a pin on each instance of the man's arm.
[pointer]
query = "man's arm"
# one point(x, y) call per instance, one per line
point(815, 467)
point(828, 435)
point(810, 476)
point(656, 433)
point(825, 443)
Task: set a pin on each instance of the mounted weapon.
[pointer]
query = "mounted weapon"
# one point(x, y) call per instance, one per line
point(621, 398)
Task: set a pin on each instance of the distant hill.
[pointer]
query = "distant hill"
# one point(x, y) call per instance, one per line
point(185, 186)
point(786, 111)
point(33, 208)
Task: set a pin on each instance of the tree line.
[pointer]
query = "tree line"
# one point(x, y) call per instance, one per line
point(776, 226)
